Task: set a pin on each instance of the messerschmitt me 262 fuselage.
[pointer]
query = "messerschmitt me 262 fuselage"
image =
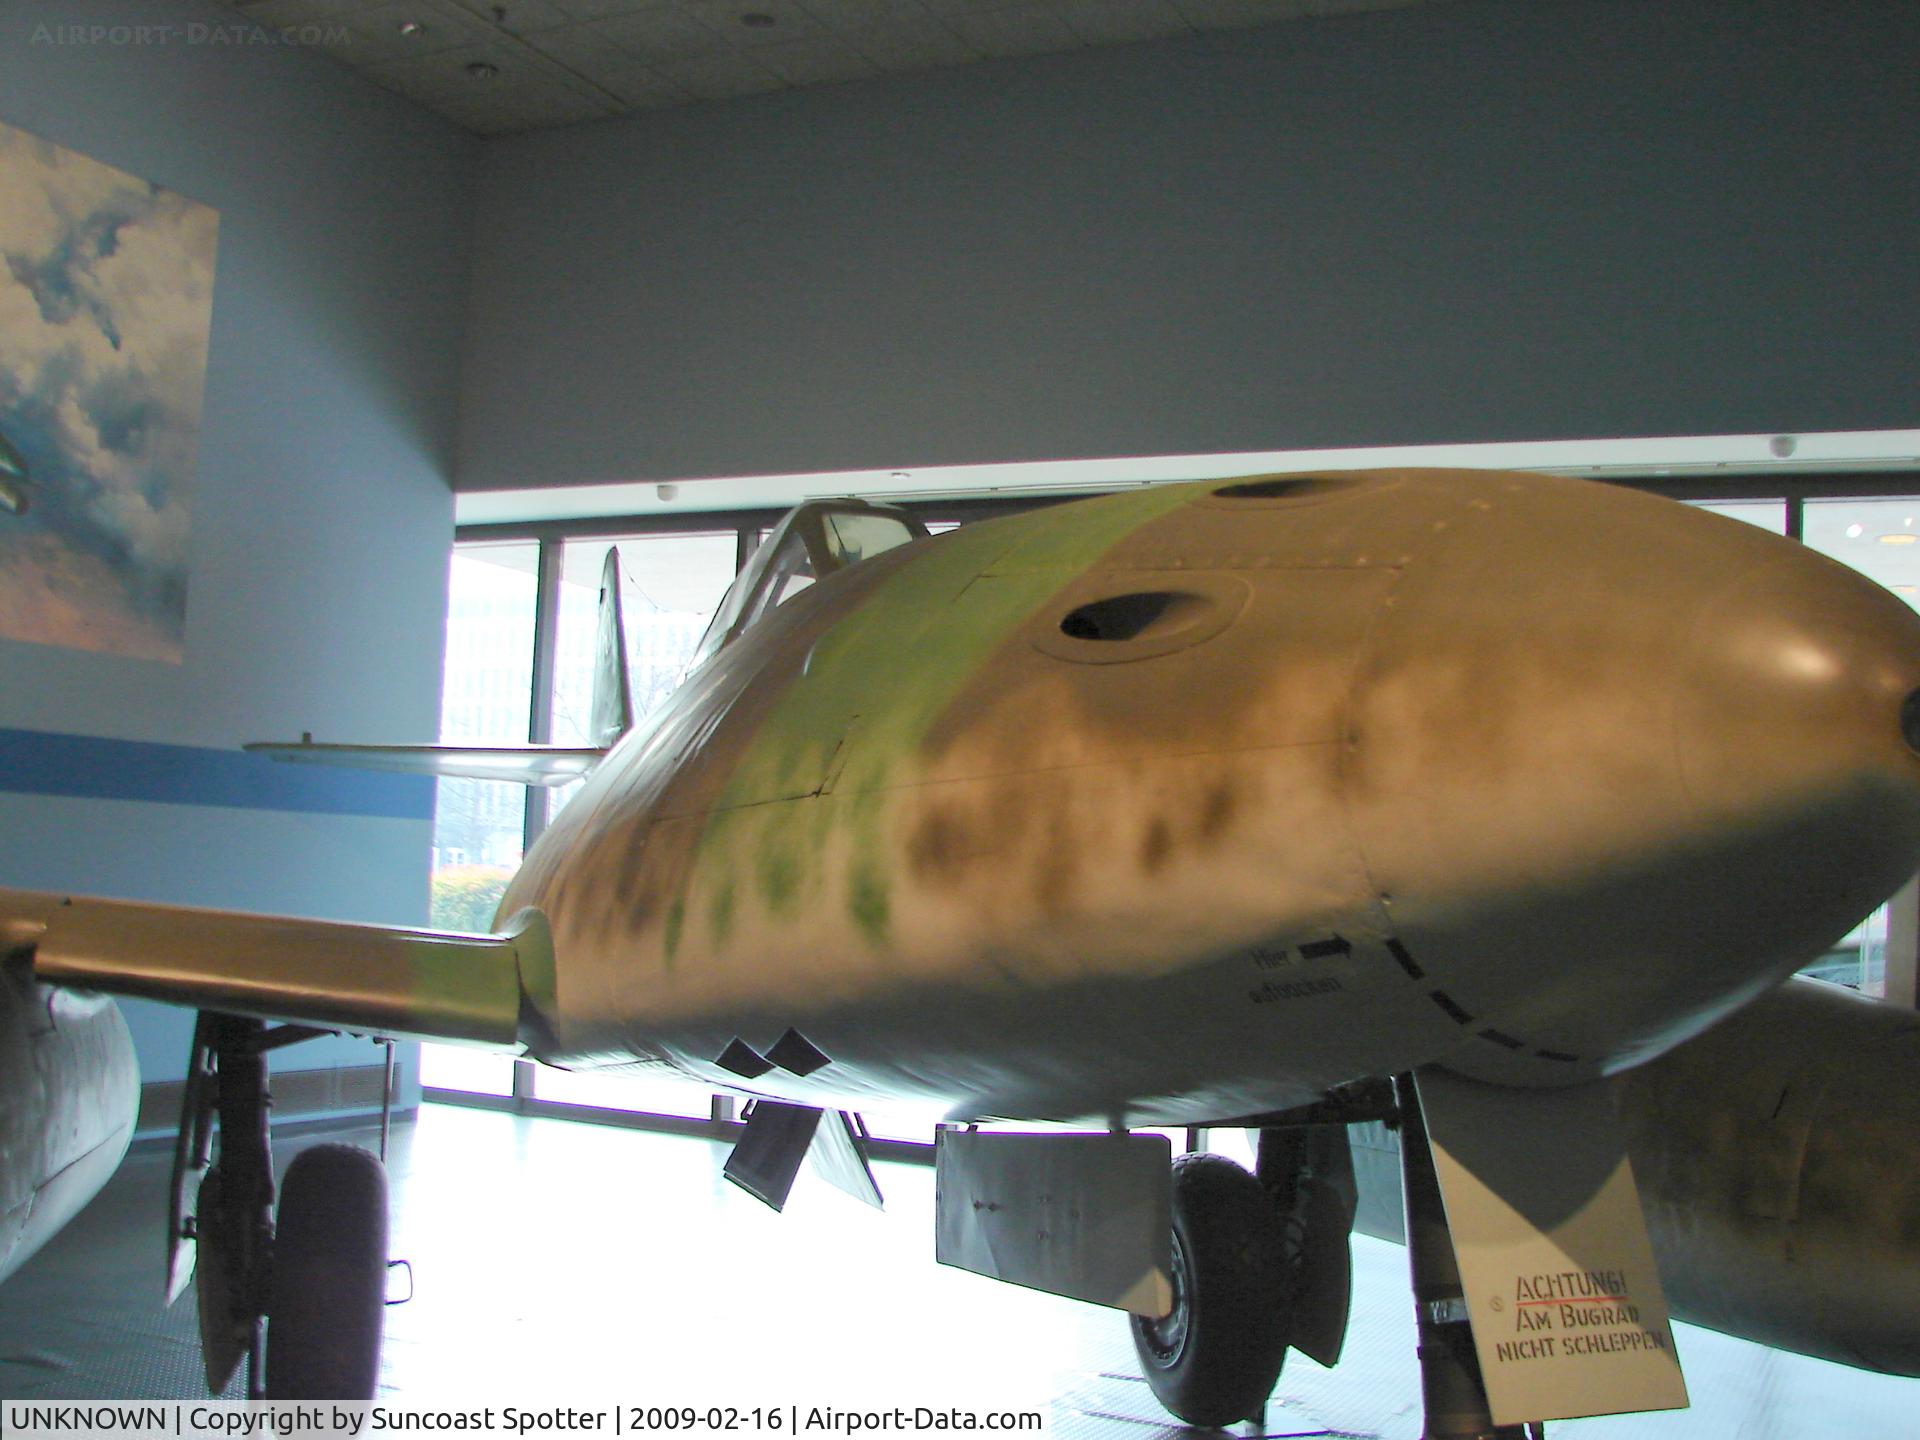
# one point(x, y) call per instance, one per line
point(1186, 806)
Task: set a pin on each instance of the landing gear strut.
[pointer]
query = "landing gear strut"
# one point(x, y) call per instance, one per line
point(1451, 1387)
point(302, 1302)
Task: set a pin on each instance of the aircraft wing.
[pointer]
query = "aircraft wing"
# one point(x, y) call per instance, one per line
point(521, 764)
point(369, 979)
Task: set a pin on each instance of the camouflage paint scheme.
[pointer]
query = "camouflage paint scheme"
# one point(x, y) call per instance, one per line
point(1528, 777)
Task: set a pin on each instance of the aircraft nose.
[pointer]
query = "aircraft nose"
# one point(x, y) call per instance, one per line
point(1682, 774)
point(1803, 698)
point(1803, 682)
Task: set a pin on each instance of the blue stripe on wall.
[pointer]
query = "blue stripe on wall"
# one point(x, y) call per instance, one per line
point(41, 762)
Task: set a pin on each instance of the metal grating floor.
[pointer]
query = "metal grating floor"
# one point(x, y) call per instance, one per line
point(565, 1263)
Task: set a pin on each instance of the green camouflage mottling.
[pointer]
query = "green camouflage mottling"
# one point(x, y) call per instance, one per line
point(854, 729)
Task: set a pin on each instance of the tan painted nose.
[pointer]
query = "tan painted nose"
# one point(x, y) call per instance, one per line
point(1798, 719)
point(1802, 674)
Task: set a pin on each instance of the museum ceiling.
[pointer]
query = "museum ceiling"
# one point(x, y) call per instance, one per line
point(495, 67)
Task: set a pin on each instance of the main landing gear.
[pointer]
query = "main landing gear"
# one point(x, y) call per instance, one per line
point(1261, 1264)
point(1213, 1359)
point(300, 1293)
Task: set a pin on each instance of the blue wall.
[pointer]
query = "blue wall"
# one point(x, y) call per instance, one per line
point(1464, 222)
point(321, 512)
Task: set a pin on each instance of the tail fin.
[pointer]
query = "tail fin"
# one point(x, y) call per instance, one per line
point(612, 714)
point(611, 717)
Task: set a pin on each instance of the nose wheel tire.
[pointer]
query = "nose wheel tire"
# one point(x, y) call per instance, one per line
point(1214, 1357)
point(327, 1302)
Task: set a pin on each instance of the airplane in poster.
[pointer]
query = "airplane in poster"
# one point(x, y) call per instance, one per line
point(1495, 806)
point(15, 491)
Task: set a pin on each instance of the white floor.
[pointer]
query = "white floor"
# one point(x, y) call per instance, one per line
point(558, 1262)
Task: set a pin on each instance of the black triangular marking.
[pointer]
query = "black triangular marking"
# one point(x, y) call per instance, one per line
point(796, 1054)
point(743, 1060)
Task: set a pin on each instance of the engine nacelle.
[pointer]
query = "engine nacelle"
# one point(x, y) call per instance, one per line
point(1778, 1157)
point(69, 1093)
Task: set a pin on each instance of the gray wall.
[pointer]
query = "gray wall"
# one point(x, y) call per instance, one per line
point(321, 512)
point(1479, 221)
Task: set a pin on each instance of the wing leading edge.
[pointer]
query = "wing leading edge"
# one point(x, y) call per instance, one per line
point(372, 979)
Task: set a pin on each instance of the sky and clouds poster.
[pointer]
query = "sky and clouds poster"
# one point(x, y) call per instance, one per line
point(106, 297)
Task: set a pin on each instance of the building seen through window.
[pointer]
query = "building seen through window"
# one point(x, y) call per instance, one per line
point(486, 695)
point(479, 825)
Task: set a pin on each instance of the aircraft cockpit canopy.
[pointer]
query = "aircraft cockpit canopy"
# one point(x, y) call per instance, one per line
point(812, 541)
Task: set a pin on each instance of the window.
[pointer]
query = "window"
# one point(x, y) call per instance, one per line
point(661, 1093)
point(670, 585)
point(1767, 514)
point(479, 825)
point(1881, 539)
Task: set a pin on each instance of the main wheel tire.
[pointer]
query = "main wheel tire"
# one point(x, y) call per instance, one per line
point(327, 1301)
point(1213, 1359)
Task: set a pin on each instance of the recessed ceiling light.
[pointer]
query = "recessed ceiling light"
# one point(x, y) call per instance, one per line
point(758, 20)
point(412, 29)
point(1906, 589)
point(481, 70)
point(1899, 537)
point(1854, 532)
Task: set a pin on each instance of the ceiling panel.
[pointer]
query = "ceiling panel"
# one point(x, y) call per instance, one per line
point(499, 66)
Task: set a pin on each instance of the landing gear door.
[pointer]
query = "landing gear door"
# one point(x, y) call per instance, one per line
point(1085, 1216)
point(1561, 1287)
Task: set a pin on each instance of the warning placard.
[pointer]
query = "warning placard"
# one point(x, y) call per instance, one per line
point(1568, 1316)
